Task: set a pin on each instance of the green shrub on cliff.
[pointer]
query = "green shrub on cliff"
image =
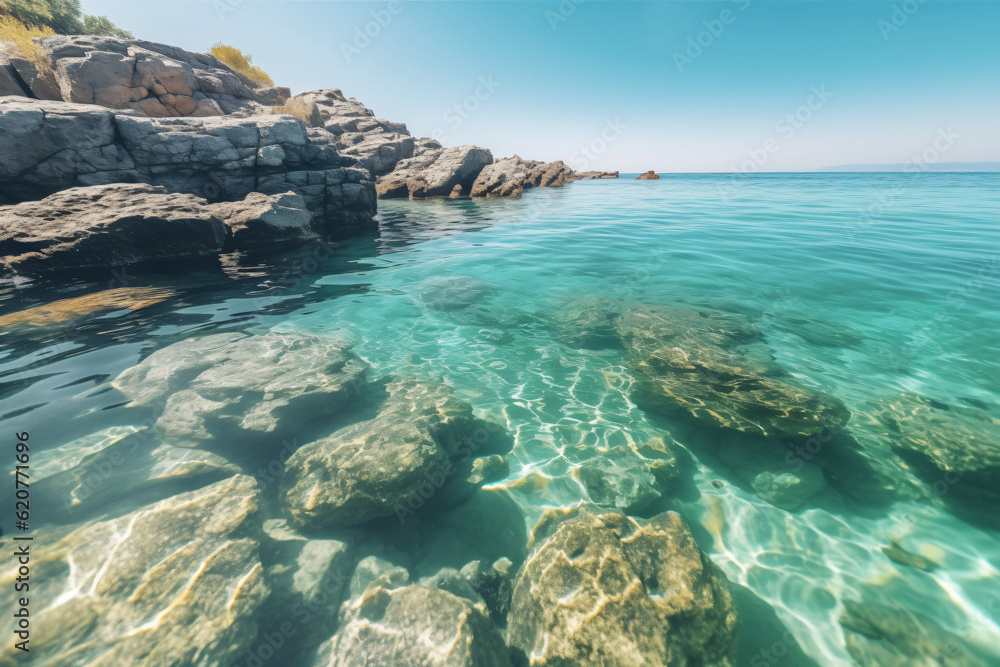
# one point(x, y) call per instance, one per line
point(63, 17)
point(241, 62)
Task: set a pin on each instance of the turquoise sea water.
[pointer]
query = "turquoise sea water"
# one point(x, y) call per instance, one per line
point(865, 286)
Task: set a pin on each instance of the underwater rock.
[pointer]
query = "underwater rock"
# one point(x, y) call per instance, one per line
point(454, 293)
point(608, 590)
point(374, 572)
point(234, 389)
point(308, 578)
point(896, 553)
point(126, 470)
point(422, 439)
point(177, 582)
point(879, 636)
point(414, 625)
point(709, 366)
point(67, 310)
point(494, 584)
point(954, 449)
point(618, 481)
point(588, 323)
point(764, 467)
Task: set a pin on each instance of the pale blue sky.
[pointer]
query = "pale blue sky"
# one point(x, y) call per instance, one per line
point(563, 72)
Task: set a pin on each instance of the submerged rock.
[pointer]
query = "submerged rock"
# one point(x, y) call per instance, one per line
point(454, 293)
point(879, 636)
point(954, 449)
point(763, 466)
point(235, 389)
point(702, 364)
point(435, 173)
point(510, 176)
point(422, 440)
point(647, 591)
point(607, 590)
point(177, 582)
point(415, 625)
point(60, 312)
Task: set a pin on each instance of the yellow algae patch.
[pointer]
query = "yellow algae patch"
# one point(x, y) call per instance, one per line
point(64, 310)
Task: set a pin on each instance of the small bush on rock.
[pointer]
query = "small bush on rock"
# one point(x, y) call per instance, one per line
point(241, 63)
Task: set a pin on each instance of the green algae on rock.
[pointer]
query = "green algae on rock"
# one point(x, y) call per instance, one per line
point(422, 442)
point(608, 590)
point(710, 366)
point(176, 582)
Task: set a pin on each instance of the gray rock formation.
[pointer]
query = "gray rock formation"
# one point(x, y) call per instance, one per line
point(442, 172)
point(648, 176)
point(415, 625)
point(376, 143)
point(233, 390)
point(51, 146)
point(176, 582)
point(107, 226)
point(510, 176)
point(115, 225)
point(607, 590)
point(153, 79)
point(423, 442)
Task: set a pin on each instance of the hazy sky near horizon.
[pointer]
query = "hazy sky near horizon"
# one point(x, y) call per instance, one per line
point(669, 85)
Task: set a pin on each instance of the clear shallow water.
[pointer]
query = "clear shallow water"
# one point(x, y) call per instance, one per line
point(861, 306)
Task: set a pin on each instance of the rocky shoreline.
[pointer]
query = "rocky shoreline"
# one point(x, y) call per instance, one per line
point(244, 165)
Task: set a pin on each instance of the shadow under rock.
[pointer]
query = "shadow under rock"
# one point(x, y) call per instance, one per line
point(763, 638)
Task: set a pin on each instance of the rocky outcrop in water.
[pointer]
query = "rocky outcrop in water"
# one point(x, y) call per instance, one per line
point(376, 143)
point(442, 172)
point(415, 625)
point(233, 390)
point(176, 582)
point(50, 146)
point(596, 174)
point(648, 176)
point(153, 79)
point(608, 590)
point(424, 445)
point(511, 176)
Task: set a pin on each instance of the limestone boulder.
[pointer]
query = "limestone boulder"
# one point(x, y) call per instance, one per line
point(435, 173)
point(422, 444)
point(234, 390)
point(415, 625)
point(648, 176)
point(604, 589)
point(176, 582)
point(510, 176)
